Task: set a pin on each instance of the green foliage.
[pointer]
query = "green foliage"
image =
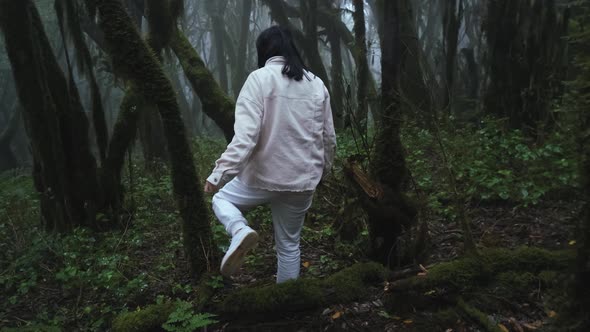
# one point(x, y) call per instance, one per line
point(490, 164)
point(184, 319)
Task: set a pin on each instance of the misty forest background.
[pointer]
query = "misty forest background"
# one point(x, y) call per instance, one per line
point(458, 200)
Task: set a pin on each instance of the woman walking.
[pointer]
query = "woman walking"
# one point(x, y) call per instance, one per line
point(284, 143)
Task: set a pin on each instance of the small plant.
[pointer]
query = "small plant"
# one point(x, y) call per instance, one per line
point(215, 282)
point(184, 319)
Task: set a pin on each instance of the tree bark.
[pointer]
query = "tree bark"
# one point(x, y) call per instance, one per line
point(451, 24)
point(7, 158)
point(216, 104)
point(337, 82)
point(130, 53)
point(388, 166)
point(242, 56)
point(124, 133)
point(362, 66)
point(414, 76)
point(216, 10)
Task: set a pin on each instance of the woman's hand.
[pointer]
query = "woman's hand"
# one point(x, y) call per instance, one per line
point(210, 188)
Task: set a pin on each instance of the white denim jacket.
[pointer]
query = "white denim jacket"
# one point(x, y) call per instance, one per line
point(284, 133)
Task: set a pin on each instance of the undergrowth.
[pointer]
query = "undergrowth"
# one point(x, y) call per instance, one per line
point(82, 280)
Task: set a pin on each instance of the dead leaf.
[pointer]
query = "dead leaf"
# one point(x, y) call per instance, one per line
point(337, 315)
point(552, 314)
point(515, 324)
point(386, 287)
point(533, 326)
point(422, 274)
point(306, 264)
point(572, 242)
point(408, 321)
point(503, 328)
point(396, 317)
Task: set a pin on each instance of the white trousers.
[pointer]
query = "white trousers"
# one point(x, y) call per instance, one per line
point(288, 212)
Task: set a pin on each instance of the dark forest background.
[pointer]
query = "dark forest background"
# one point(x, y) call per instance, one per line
point(458, 200)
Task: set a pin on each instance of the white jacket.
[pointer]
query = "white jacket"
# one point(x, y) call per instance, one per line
point(284, 133)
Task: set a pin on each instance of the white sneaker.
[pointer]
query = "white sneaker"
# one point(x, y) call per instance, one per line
point(244, 241)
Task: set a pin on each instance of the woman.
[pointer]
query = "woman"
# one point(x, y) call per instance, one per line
point(284, 143)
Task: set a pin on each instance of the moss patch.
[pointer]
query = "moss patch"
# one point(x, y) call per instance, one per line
point(150, 318)
point(347, 285)
point(480, 269)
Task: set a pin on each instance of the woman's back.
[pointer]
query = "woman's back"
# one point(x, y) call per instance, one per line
point(289, 155)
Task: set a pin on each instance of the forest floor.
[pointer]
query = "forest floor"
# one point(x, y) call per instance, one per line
point(82, 281)
point(548, 224)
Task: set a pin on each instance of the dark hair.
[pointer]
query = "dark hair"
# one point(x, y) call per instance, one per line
point(278, 41)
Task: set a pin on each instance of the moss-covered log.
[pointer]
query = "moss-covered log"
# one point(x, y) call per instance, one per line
point(475, 271)
point(216, 104)
point(133, 59)
point(147, 319)
point(348, 285)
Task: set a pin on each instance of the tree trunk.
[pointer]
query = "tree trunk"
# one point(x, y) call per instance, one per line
point(216, 104)
point(137, 62)
point(414, 80)
point(64, 168)
point(337, 73)
point(388, 164)
point(216, 10)
point(309, 48)
point(124, 133)
point(451, 24)
point(525, 63)
point(362, 67)
point(185, 108)
point(240, 70)
point(7, 157)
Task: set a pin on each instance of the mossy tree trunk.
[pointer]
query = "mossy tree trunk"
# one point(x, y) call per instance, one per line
point(134, 60)
point(216, 104)
point(124, 134)
point(388, 164)
point(362, 66)
point(64, 168)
